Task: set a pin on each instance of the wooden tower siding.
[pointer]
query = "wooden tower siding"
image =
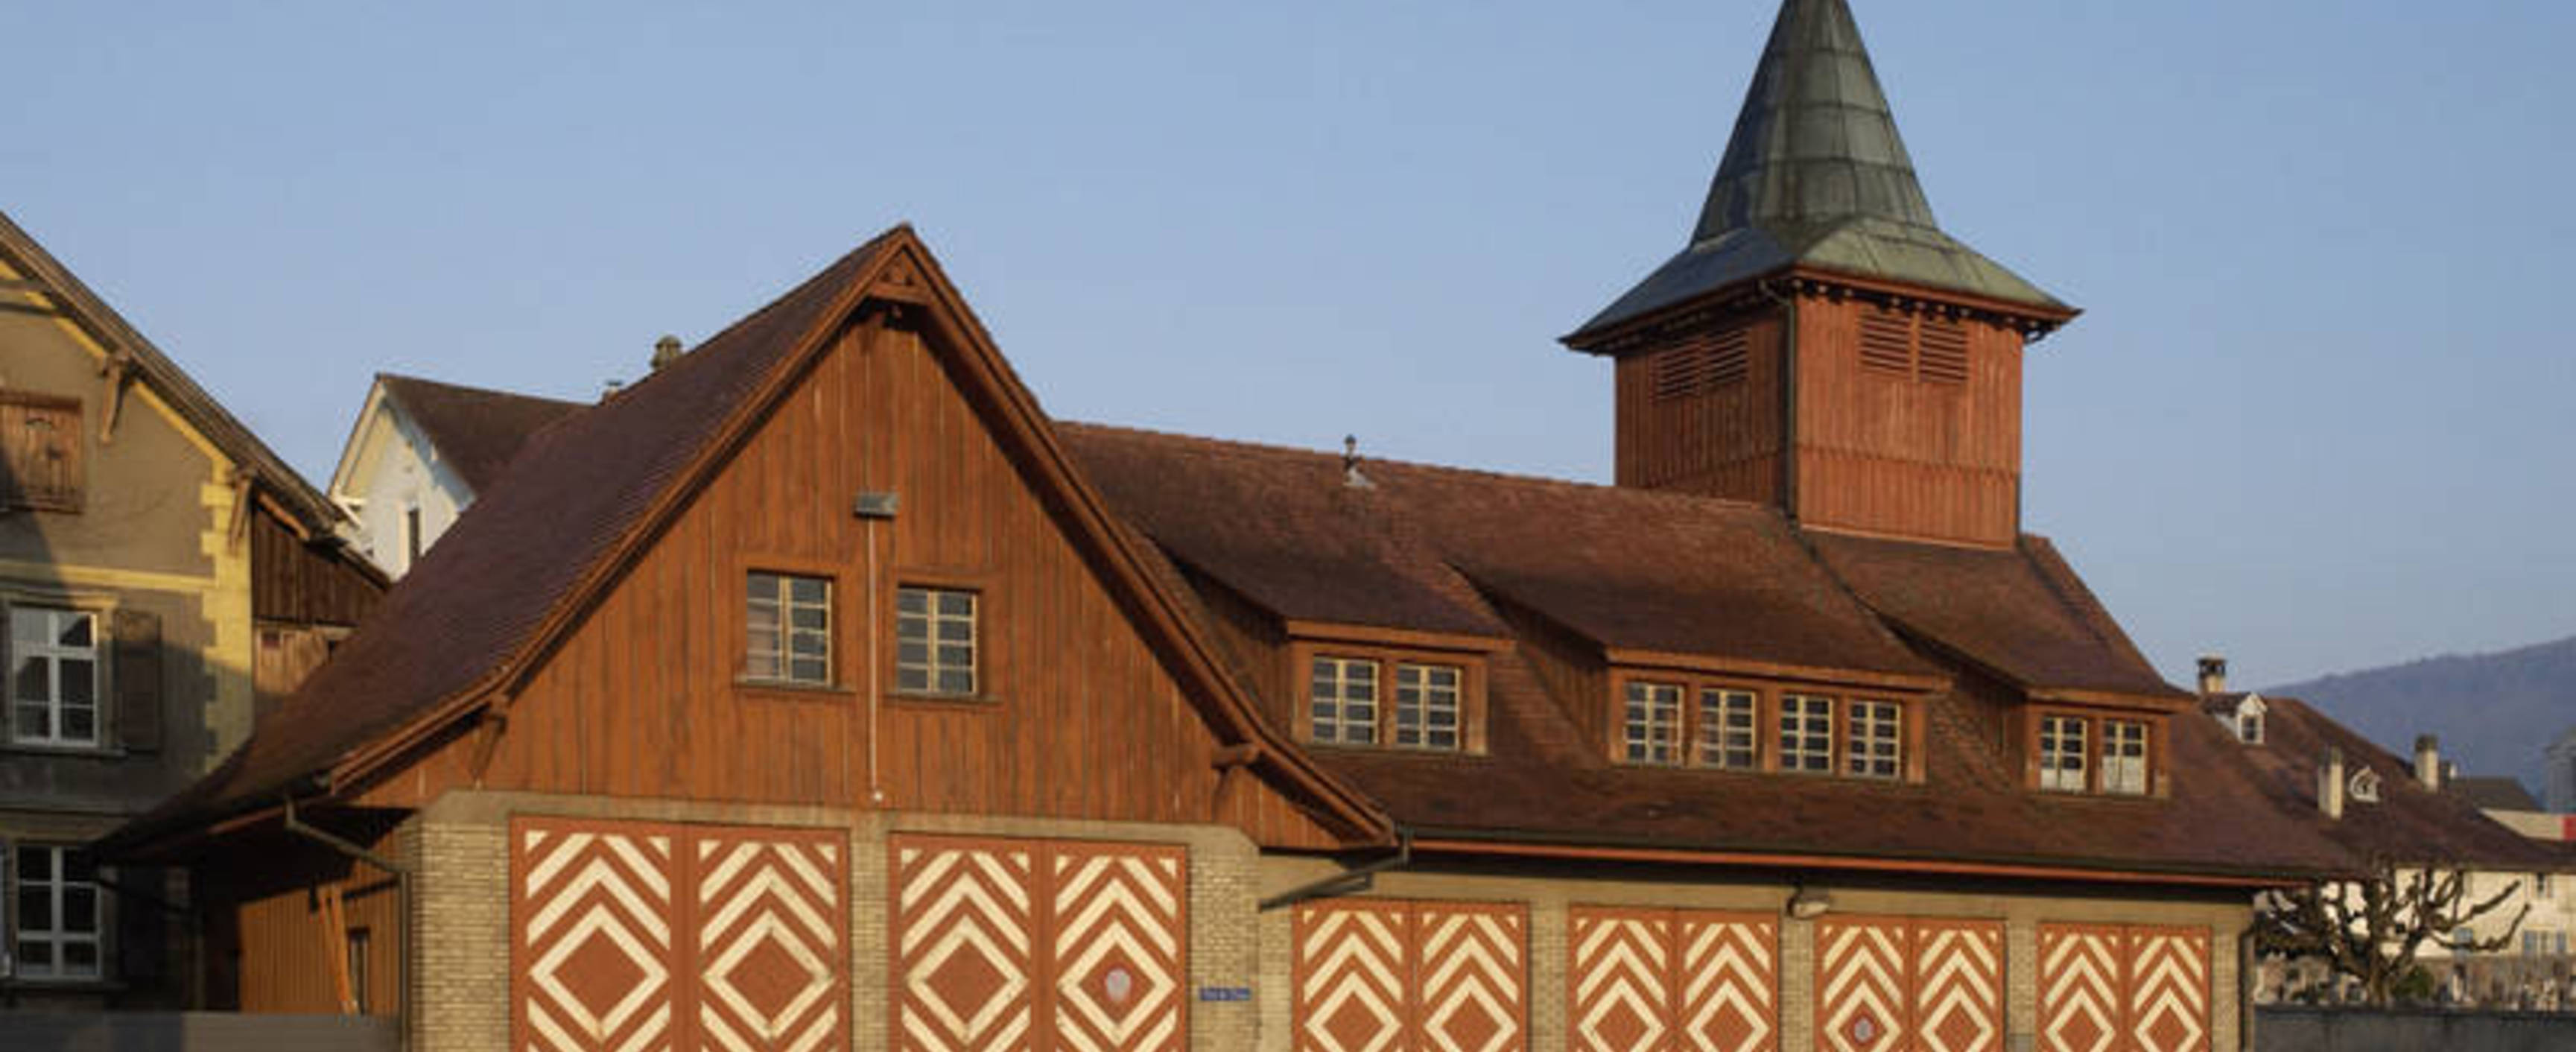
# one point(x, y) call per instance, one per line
point(1904, 456)
point(1724, 441)
point(642, 699)
point(1874, 453)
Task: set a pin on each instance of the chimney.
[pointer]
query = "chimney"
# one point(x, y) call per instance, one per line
point(1351, 474)
point(2330, 784)
point(2213, 675)
point(2428, 761)
point(665, 351)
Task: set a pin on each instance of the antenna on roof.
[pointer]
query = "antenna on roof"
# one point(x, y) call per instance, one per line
point(1351, 475)
point(665, 351)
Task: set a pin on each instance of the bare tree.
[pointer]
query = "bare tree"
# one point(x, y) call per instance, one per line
point(2372, 929)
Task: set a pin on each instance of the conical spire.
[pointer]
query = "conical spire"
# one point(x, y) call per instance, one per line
point(1815, 142)
point(1817, 175)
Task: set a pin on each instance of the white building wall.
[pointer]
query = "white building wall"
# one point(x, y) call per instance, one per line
point(396, 473)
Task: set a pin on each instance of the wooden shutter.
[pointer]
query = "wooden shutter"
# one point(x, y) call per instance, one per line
point(140, 929)
point(40, 452)
point(136, 674)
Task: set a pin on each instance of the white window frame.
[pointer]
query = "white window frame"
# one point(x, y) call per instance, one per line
point(1806, 734)
point(950, 664)
point(57, 936)
point(779, 661)
point(2065, 754)
point(1651, 723)
point(55, 654)
point(1331, 679)
point(2124, 766)
point(1724, 743)
point(1874, 740)
point(1420, 694)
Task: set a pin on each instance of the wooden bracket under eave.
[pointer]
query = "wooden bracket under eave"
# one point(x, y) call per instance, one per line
point(245, 483)
point(487, 738)
point(118, 369)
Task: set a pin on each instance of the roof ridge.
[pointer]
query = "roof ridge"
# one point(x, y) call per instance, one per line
point(475, 389)
point(1247, 447)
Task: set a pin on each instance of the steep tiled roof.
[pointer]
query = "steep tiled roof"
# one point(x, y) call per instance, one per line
point(2409, 823)
point(1438, 549)
point(476, 598)
point(476, 430)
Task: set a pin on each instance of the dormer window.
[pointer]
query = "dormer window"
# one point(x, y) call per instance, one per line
point(2248, 723)
point(2365, 786)
point(1383, 697)
point(2076, 752)
point(1660, 720)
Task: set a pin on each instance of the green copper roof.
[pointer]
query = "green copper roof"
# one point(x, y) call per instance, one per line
point(1817, 174)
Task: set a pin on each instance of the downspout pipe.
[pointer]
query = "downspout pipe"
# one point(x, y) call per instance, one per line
point(295, 824)
point(1349, 881)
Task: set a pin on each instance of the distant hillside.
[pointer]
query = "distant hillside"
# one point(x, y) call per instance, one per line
point(2495, 712)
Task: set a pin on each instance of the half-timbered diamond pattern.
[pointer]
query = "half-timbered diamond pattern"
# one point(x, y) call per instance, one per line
point(1863, 998)
point(769, 918)
point(646, 935)
point(1118, 934)
point(1729, 977)
point(1005, 945)
point(1959, 986)
point(1389, 976)
point(2168, 989)
point(1649, 980)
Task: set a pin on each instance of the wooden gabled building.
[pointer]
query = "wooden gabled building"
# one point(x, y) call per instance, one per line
point(821, 691)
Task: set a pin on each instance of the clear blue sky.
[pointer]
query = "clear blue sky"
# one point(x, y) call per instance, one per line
point(2317, 415)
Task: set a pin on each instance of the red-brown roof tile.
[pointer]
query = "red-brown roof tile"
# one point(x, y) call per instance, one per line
point(476, 430)
point(2409, 823)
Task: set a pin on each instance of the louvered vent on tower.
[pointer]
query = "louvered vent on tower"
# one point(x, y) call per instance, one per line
point(1923, 346)
point(1702, 364)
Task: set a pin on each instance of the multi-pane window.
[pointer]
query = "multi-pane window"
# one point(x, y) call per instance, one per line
point(53, 676)
point(1727, 736)
point(1876, 741)
point(1428, 706)
point(788, 622)
point(1341, 699)
point(935, 637)
point(2061, 754)
point(1653, 723)
point(58, 914)
point(1806, 734)
point(2124, 757)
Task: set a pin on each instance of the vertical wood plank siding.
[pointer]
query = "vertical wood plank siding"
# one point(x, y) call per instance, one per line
point(269, 919)
point(293, 582)
point(1904, 456)
point(1725, 441)
point(644, 697)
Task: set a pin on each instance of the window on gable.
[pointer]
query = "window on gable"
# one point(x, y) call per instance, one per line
point(936, 638)
point(788, 627)
point(40, 452)
point(1342, 700)
point(1428, 705)
point(1727, 736)
point(1654, 722)
point(2124, 757)
point(1806, 734)
point(2062, 754)
point(2249, 726)
point(59, 914)
point(1876, 741)
point(53, 676)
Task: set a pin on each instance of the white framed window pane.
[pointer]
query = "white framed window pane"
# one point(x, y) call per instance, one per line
point(2124, 757)
point(936, 638)
point(1652, 722)
point(59, 917)
point(1876, 748)
point(1427, 704)
point(1342, 700)
point(787, 621)
point(1727, 738)
point(2062, 754)
point(53, 676)
point(1806, 734)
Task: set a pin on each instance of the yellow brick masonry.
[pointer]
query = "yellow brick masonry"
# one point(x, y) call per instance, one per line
point(459, 981)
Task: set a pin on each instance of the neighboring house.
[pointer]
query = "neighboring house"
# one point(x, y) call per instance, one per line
point(419, 452)
point(2383, 808)
point(819, 690)
point(161, 572)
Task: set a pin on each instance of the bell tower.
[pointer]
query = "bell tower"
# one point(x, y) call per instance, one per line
point(1820, 344)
